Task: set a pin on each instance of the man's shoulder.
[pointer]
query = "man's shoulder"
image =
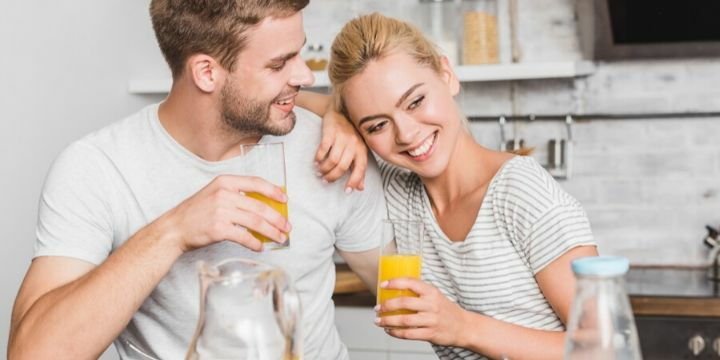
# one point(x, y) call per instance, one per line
point(307, 123)
point(123, 132)
point(103, 146)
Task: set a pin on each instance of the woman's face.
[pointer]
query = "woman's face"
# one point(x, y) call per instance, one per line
point(406, 113)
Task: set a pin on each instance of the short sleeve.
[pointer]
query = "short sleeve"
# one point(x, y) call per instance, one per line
point(74, 214)
point(559, 229)
point(360, 230)
point(533, 212)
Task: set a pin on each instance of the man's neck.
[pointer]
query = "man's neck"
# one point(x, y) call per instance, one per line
point(194, 121)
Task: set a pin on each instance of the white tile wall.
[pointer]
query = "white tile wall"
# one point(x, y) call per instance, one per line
point(649, 186)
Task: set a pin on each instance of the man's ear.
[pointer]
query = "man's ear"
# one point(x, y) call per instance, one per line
point(448, 75)
point(205, 72)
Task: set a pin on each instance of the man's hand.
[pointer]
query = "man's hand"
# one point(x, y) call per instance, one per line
point(221, 211)
point(341, 150)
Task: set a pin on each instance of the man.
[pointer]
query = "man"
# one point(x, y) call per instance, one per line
point(127, 211)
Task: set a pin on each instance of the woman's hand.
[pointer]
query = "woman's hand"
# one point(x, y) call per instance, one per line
point(438, 320)
point(341, 150)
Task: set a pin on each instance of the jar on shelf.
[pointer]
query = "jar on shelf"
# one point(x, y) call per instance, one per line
point(479, 32)
point(438, 19)
point(316, 57)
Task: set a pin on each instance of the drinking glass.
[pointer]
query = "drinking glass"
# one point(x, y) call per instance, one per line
point(400, 256)
point(267, 161)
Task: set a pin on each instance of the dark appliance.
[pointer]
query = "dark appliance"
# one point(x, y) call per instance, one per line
point(629, 29)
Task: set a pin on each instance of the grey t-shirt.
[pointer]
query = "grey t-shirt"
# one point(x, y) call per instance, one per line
point(106, 186)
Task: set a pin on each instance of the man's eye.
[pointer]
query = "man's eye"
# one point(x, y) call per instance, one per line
point(376, 127)
point(277, 67)
point(416, 103)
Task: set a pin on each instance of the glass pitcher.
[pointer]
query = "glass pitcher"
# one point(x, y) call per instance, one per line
point(248, 310)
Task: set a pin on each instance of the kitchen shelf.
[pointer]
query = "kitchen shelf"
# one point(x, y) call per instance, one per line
point(467, 73)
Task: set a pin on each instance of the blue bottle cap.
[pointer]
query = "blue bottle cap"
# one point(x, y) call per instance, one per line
point(601, 265)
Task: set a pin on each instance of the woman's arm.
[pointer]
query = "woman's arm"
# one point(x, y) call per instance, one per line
point(312, 101)
point(341, 147)
point(443, 322)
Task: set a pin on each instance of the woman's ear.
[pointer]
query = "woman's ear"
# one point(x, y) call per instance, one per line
point(204, 72)
point(448, 75)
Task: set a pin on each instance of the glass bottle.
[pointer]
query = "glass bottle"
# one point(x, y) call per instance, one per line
point(601, 323)
point(479, 32)
point(439, 23)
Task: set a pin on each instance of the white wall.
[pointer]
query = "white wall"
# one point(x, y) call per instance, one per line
point(65, 67)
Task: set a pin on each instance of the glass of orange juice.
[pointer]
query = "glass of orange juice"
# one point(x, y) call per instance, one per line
point(400, 256)
point(267, 161)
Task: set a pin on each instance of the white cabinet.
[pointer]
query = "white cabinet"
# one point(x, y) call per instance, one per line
point(367, 341)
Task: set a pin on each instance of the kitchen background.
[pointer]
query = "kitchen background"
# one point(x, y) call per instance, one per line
point(649, 185)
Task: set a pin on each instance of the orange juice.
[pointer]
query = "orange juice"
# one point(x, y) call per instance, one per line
point(282, 208)
point(396, 266)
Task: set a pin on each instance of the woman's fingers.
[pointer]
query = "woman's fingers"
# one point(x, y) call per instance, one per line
point(406, 303)
point(411, 333)
point(417, 286)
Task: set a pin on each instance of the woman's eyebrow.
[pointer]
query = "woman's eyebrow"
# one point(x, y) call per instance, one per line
point(407, 93)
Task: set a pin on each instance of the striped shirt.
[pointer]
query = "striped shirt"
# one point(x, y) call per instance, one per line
point(525, 222)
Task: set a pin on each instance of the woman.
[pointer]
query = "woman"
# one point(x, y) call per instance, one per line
point(501, 233)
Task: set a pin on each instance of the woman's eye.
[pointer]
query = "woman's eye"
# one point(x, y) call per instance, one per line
point(376, 127)
point(416, 103)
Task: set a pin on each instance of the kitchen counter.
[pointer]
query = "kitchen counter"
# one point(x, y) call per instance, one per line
point(654, 291)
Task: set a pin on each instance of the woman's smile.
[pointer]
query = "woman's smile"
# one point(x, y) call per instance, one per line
point(424, 150)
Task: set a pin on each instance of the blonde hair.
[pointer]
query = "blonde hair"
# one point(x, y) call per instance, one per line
point(372, 37)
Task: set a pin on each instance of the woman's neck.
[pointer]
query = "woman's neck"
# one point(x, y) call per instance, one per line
point(470, 170)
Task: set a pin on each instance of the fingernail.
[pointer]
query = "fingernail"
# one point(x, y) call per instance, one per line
point(325, 181)
point(377, 321)
point(348, 190)
point(384, 284)
point(318, 174)
point(317, 163)
point(377, 308)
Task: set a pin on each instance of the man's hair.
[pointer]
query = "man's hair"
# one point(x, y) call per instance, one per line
point(217, 28)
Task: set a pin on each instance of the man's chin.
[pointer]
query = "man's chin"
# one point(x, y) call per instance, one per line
point(283, 125)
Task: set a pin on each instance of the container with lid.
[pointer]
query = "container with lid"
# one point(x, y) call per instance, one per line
point(601, 323)
point(479, 32)
point(439, 23)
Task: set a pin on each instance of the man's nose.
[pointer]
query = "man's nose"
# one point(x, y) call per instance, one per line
point(301, 75)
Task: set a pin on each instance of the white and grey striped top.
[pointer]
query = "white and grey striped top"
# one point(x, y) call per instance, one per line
point(525, 222)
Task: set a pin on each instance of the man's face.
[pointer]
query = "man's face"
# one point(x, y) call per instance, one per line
point(258, 97)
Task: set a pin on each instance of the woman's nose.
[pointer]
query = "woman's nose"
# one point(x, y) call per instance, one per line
point(407, 130)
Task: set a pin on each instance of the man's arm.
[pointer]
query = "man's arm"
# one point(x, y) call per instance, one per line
point(69, 309)
point(364, 264)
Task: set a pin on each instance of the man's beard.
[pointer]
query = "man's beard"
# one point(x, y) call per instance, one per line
point(251, 117)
